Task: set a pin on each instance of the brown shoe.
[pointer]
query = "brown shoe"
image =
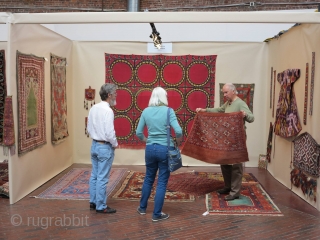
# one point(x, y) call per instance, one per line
point(230, 198)
point(107, 210)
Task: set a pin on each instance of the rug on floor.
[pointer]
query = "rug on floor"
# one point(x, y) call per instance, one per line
point(201, 183)
point(253, 201)
point(75, 184)
point(132, 186)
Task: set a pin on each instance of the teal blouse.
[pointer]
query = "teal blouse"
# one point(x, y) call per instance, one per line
point(155, 118)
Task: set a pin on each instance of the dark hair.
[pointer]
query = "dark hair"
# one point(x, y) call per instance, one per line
point(106, 89)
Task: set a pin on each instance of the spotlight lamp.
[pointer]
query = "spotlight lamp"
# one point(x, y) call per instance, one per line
point(155, 35)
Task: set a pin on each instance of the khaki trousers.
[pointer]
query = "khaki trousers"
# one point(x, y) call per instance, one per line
point(232, 175)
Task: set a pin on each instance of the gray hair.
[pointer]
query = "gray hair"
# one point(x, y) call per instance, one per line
point(232, 87)
point(158, 97)
point(106, 89)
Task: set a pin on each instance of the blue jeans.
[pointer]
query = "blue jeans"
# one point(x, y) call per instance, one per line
point(155, 158)
point(102, 156)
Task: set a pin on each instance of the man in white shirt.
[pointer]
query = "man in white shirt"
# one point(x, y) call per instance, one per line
point(104, 142)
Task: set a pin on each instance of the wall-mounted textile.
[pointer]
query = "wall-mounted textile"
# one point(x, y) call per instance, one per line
point(306, 154)
point(189, 81)
point(305, 104)
point(307, 184)
point(287, 122)
point(8, 127)
point(3, 90)
point(271, 88)
point(312, 82)
point(269, 143)
point(245, 92)
point(59, 125)
point(274, 91)
point(217, 138)
point(31, 102)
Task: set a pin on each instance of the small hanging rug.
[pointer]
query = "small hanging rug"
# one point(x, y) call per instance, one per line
point(132, 186)
point(253, 201)
point(75, 184)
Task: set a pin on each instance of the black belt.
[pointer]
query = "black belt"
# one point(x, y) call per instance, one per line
point(101, 141)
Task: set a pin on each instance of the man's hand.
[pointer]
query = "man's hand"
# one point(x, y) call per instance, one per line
point(201, 110)
point(243, 113)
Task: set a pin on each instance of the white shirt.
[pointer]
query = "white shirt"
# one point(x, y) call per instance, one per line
point(101, 123)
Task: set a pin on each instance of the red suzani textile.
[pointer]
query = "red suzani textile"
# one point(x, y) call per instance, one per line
point(217, 138)
point(306, 154)
point(287, 122)
point(189, 81)
point(59, 125)
point(3, 90)
point(31, 105)
point(245, 92)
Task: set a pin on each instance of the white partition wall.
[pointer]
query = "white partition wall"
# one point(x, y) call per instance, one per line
point(236, 62)
point(31, 170)
point(293, 50)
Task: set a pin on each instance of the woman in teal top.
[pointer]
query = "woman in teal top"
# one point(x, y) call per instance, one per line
point(156, 158)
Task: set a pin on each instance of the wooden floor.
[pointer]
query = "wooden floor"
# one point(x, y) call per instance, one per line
point(32, 218)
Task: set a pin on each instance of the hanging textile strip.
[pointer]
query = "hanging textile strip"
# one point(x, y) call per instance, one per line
point(8, 128)
point(271, 88)
point(305, 106)
point(312, 82)
point(31, 102)
point(245, 92)
point(89, 96)
point(274, 91)
point(188, 79)
point(217, 138)
point(59, 125)
point(3, 90)
point(269, 143)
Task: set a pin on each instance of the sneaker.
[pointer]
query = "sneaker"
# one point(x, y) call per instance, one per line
point(141, 211)
point(93, 206)
point(163, 216)
point(107, 210)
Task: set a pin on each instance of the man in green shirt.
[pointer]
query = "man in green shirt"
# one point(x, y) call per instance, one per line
point(232, 174)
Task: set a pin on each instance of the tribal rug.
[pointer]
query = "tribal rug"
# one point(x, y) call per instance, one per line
point(132, 186)
point(217, 138)
point(8, 128)
point(306, 154)
point(3, 90)
point(75, 184)
point(31, 103)
point(245, 92)
point(253, 201)
point(189, 81)
point(59, 126)
point(4, 173)
point(201, 183)
point(4, 190)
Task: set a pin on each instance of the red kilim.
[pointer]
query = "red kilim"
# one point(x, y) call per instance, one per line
point(189, 81)
point(31, 104)
point(59, 126)
point(217, 138)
